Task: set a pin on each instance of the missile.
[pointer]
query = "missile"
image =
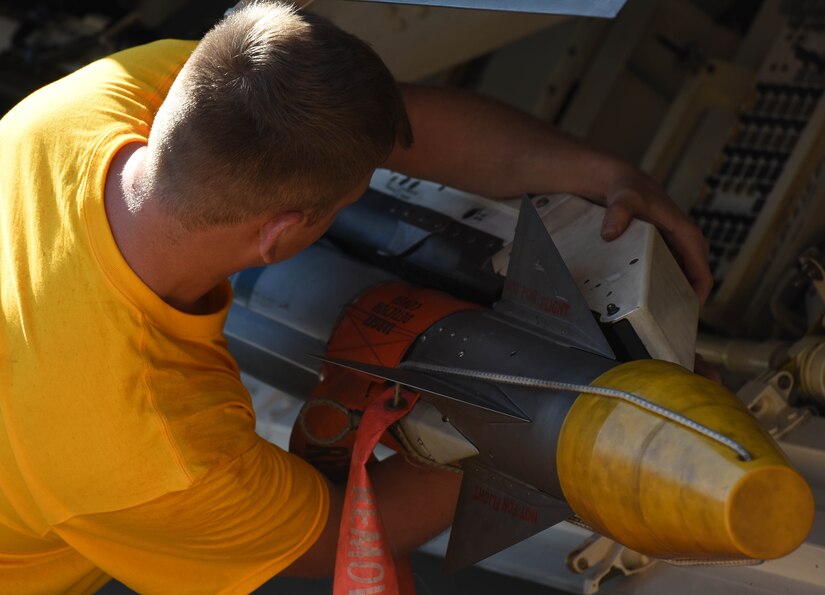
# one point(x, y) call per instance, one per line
point(547, 423)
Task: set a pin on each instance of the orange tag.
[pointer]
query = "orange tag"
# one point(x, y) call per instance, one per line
point(378, 328)
point(364, 563)
point(381, 325)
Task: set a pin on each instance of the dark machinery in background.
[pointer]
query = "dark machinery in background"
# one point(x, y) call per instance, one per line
point(47, 39)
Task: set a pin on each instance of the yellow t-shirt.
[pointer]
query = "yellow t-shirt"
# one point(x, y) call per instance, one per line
point(127, 441)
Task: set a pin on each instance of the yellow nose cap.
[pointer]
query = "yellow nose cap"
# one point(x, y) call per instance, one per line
point(669, 492)
point(769, 512)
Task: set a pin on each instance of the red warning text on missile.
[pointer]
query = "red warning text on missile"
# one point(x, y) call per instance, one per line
point(505, 505)
point(551, 305)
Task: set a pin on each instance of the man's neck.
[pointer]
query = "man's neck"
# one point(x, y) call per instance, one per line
point(181, 267)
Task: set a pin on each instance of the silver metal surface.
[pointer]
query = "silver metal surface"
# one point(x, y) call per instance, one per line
point(433, 437)
point(633, 277)
point(540, 291)
point(494, 217)
point(598, 556)
point(285, 312)
point(308, 291)
point(808, 361)
point(494, 512)
point(736, 355)
point(766, 397)
point(490, 406)
point(271, 352)
point(589, 8)
point(479, 340)
point(602, 391)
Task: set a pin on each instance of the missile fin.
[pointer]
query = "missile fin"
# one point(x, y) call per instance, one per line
point(494, 512)
point(499, 410)
point(540, 290)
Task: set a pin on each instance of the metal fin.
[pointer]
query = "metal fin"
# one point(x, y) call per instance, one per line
point(540, 291)
point(494, 512)
point(493, 410)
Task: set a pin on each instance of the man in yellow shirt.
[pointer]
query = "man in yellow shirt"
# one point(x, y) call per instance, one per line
point(129, 191)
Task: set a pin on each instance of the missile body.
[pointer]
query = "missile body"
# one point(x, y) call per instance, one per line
point(700, 481)
point(656, 486)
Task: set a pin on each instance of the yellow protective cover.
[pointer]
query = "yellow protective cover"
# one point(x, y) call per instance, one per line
point(668, 491)
point(127, 441)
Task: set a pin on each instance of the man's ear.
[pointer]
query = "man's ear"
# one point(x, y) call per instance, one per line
point(272, 233)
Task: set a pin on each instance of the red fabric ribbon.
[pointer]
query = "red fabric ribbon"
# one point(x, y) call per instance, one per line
point(364, 563)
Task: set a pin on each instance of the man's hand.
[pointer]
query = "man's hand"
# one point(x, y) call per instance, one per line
point(479, 145)
point(634, 194)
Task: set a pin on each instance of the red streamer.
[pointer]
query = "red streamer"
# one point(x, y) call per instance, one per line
point(364, 563)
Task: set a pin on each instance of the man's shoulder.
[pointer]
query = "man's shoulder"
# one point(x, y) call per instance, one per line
point(151, 67)
point(126, 87)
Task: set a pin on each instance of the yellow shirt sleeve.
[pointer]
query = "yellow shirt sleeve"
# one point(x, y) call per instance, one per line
point(228, 534)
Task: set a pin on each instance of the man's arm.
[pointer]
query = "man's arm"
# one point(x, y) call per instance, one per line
point(415, 503)
point(482, 146)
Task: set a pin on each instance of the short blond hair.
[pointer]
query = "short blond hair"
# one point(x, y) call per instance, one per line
point(275, 110)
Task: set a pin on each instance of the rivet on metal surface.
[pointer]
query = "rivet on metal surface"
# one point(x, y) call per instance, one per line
point(612, 309)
